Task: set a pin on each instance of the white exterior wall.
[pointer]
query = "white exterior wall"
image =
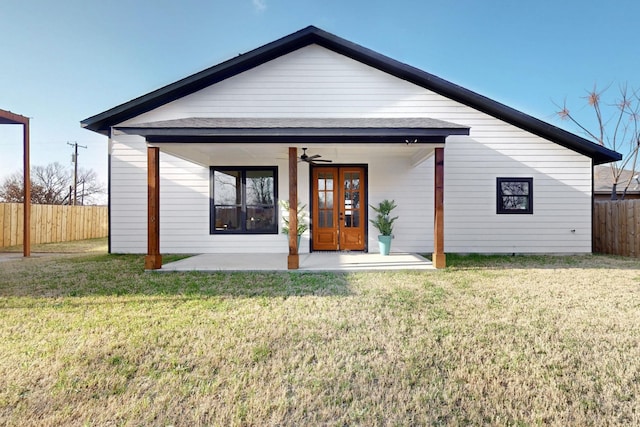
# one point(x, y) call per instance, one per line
point(184, 204)
point(128, 194)
point(315, 82)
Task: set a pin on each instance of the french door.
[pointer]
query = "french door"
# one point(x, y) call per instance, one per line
point(339, 208)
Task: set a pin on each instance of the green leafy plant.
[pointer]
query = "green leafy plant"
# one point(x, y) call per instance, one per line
point(302, 225)
point(383, 220)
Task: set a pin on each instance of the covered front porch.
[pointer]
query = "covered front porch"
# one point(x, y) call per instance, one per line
point(208, 141)
point(310, 262)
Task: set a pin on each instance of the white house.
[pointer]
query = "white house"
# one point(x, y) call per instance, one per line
point(199, 166)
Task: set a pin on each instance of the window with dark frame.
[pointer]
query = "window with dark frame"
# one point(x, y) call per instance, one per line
point(244, 200)
point(514, 196)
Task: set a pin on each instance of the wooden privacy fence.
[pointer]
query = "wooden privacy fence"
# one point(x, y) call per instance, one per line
point(616, 227)
point(52, 223)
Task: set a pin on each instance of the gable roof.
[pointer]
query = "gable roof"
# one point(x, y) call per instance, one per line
point(312, 35)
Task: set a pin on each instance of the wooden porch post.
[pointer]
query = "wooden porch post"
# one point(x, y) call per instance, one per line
point(439, 258)
point(153, 260)
point(293, 261)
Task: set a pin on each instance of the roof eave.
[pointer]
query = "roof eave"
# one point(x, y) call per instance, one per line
point(399, 135)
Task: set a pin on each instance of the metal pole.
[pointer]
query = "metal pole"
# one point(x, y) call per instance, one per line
point(75, 171)
point(26, 241)
point(75, 177)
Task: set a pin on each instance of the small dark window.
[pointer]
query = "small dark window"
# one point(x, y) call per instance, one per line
point(243, 200)
point(514, 195)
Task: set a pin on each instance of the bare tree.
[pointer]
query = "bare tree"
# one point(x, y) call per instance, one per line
point(11, 190)
point(89, 187)
point(617, 128)
point(52, 185)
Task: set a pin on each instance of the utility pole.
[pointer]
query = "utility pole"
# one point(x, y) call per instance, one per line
point(74, 159)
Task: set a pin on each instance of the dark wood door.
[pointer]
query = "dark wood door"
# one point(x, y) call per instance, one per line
point(339, 218)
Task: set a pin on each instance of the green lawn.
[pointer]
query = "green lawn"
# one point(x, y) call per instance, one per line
point(91, 339)
point(81, 246)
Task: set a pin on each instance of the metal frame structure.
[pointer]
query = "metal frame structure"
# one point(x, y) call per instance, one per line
point(9, 118)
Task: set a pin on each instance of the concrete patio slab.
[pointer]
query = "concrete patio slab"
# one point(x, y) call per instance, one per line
point(317, 261)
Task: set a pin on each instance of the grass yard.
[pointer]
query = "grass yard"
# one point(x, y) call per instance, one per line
point(79, 246)
point(90, 339)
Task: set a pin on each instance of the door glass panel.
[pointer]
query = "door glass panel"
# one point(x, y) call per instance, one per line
point(326, 219)
point(329, 181)
point(351, 184)
point(347, 219)
point(328, 202)
point(325, 199)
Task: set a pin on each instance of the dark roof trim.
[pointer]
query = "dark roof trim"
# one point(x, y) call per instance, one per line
point(312, 35)
point(388, 130)
point(299, 132)
point(311, 138)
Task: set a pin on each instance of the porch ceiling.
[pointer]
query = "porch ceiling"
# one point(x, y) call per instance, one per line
point(207, 154)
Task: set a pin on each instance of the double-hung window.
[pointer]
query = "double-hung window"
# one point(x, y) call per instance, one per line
point(243, 200)
point(514, 196)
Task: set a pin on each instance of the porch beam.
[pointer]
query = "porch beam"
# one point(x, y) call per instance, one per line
point(438, 258)
point(293, 262)
point(153, 260)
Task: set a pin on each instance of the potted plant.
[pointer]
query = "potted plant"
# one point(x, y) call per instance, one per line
point(302, 225)
point(383, 222)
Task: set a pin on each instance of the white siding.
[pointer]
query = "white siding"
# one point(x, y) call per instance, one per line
point(128, 196)
point(315, 82)
point(184, 204)
point(561, 197)
point(412, 189)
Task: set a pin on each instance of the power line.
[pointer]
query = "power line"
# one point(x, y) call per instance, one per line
point(74, 159)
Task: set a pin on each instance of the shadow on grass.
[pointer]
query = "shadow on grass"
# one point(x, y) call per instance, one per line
point(123, 275)
point(82, 275)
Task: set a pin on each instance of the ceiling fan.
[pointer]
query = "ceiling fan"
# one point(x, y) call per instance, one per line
point(312, 159)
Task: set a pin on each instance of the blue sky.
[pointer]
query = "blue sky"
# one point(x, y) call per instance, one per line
point(63, 61)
